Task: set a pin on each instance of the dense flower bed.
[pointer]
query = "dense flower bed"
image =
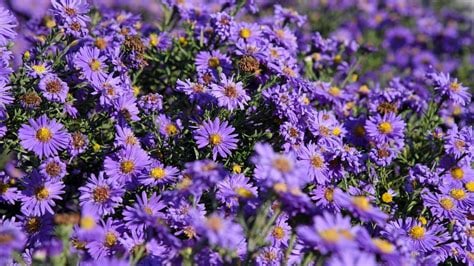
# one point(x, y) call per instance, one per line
point(236, 132)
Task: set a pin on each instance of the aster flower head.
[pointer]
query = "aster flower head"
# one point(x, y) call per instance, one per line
point(40, 194)
point(8, 192)
point(144, 211)
point(210, 61)
point(361, 206)
point(196, 91)
point(124, 137)
point(280, 233)
point(7, 23)
point(126, 108)
point(5, 95)
point(229, 94)
point(53, 168)
point(219, 136)
point(38, 69)
point(53, 88)
point(78, 143)
point(109, 243)
point(442, 206)
point(43, 136)
point(70, 9)
point(101, 194)
point(167, 127)
point(91, 63)
point(233, 188)
point(219, 230)
point(13, 239)
point(460, 142)
point(450, 88)
point(246, 31)
point(314, 161)
point(158, 174)
point(382, 129)
point(126, 164)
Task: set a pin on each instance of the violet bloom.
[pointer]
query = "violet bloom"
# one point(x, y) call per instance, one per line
point(7, 23)
point(8, 193)
point(53, 88)
point(230, 94)
point(71, 9)
point(144, 211)
point(459, 142)
point(125, 137)
point(382, 129)
point(197, 92)
point(126, 108)
point(219, 231)
point(78, 143)
point(361, 207)
point(233, 188)
point(109, 243)
point(450, 88)
point(5, 95)
point(126, 164)
point(442, 206)
point(53, 168)
point(101, 194)
point(91, 64)
point(39, 195)
point(167, 127)
point(13, 239)
point(158, 174)
point(211, 61)
point(43, 136)
point(219, 136)
point(314, 162)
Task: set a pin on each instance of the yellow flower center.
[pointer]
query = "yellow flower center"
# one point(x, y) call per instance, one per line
point(385, 128)
point(33, 225)
point(110, 239)
point(387, 197)
point(157, 173)
point(44, 134)
point(127, 166)
point(417, 232)
point(458, 193)
point(457, 173)
point(213, 62)
point(364, 89)
point(215, 139)
point(282, 164)
point(171, 129)
point(329, 194)
point(446, 203)
point(87, 222)
point(153, 39)
point(280, 187)
point(245, 33)
point(189, 232)
point(330, 235)
point(42, 193)
point(335, 91)
point(101, 194)
point(95, 64)
point(336, 131)
point(317, 161)
point(278, 232)
point(214, 223)
point(470, 186)
point(243, 192)
point(383, 245)
point(236, 168)
point(455, 87)
point(39, 69)
point(362, 203)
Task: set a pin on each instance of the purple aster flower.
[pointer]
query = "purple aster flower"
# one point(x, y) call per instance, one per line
point(324, 197)
point(5, 95)
point(39, 194)
point(288, 14)
point(7, 23)
point(324, 125)
point(78, 143)
point(8, 193)
point(38, 228)
point(161, 41)
point(313, 160)
point(124, 137)
point(275, 169)
point(460, 194)
point(280, 233)
point(109, 89)
point(71, 9)
point(126, 164)
point(210, 61)
point(38, 70)
point(328, 233)
point(167, 127)
point(126, 108)
point(144, 211)
point(233, 188)
point(360, 206)
point(269, 256)
point(152, 102)
point(158, 174)
point(219, 231)
point(246, 31)
point(101, 194)
point(91, 64)
point(196, 91)
point(43, 136)
point(442, 206)
point(382, 129)
point(13, 239)
point(460, 142)
point(109, 243)
point(229, 94)
point(222, 23)
point(53, 88)
point(218, 136)
point(53, 168)
point(450, 88)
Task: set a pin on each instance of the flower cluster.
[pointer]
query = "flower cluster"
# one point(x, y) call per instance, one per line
point(236, 132)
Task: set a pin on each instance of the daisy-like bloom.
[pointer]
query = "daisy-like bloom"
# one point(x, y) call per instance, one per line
point(210, 61)
point(101, 194)
point(5, 95)
point(38, 228)
point(70, 10)
point(219, 230)
point(314, 162)
point(143, 212)
point(53, 88)
point(124, 136)
point(43, 136)
point(328, 233)
point(78, 143)
point(126, 108)
point(167, 127)
point(109, 89)
point(13, 239)
point(196, 91)
point(7, 23)
point(8, 192)
point(219, 136)
point(442, 206)
point(91, 63)
point(360, 206)
point(451, 88)
point(158, 174)
point(126, 164)
point(324, 125)
point(39, 194)
point(269, 256)
point(246, 31)
point(230, 94)
point(38, 70)
point(152, 102)
point(277, 169)
point(233, 188)
point(324, 197)
point(280, 233)
point(53, 168)
point(459, 194)
point(414, 235)
point(459, 142)
point(383, 129)
point(109, 243)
